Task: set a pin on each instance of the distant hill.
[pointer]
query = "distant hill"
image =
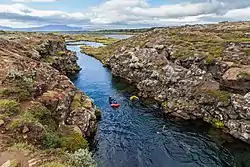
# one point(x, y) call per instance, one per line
point(5, 28)
point(44, 28)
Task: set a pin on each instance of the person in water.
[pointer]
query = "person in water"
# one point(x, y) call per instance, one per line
point(112, 101)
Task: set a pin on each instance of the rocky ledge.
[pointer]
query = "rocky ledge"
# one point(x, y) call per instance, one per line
point(39, 105)
point(196, 72)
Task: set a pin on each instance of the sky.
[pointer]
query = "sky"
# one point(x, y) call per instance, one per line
point(105, 14)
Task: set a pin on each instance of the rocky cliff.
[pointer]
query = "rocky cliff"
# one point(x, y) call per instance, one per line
point(39, 105)
point(196, 72)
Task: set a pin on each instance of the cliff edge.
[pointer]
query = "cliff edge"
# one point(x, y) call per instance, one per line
point(39, 105)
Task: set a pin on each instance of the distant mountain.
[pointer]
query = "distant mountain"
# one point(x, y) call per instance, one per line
point(5, 28)
point(44, 28)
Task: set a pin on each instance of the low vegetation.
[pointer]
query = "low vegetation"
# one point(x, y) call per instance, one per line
point(90, 38)
point(9, 107)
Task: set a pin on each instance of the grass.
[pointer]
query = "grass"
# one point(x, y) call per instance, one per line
point(17, 93)
point(24, 147)
point(9, 107)
point(23, 119)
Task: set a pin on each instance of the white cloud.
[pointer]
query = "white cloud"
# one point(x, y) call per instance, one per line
point(133, 13)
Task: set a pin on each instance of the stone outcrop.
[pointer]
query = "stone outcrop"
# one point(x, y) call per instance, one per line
point(37, 98)
point(196, 72)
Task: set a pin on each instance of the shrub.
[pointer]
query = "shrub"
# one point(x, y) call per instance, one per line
point(73, 142)
point(9, 106)
point(39, 111)
point(83, 158)
point(23, 119)
point(51, 140)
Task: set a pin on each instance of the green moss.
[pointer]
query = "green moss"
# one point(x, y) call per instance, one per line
point(55, 164)
point(73, 142)
point(222, 96)
point(217, 123)
point(15, 163)
point(9, 107)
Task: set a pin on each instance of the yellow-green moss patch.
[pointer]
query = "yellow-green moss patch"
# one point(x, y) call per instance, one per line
point(217, 123)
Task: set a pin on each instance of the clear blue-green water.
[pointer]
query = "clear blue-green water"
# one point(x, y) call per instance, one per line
point(133, 135)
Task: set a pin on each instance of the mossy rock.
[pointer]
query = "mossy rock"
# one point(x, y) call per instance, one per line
point(9, 107)
point(76, 103)
point(73, 142)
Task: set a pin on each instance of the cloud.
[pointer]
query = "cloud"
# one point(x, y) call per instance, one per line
point(34, 0)
point(133, 13)
point(19, 12)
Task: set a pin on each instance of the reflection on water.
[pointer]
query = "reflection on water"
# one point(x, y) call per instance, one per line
point(133, 135)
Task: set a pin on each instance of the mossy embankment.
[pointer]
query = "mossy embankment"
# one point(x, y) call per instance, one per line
point(44, 119)
point(196, 72)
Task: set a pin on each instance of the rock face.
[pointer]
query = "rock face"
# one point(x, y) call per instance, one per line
point(196, 72)
point(36, 95)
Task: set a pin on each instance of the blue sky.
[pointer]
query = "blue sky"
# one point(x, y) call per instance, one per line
point(120, 13)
